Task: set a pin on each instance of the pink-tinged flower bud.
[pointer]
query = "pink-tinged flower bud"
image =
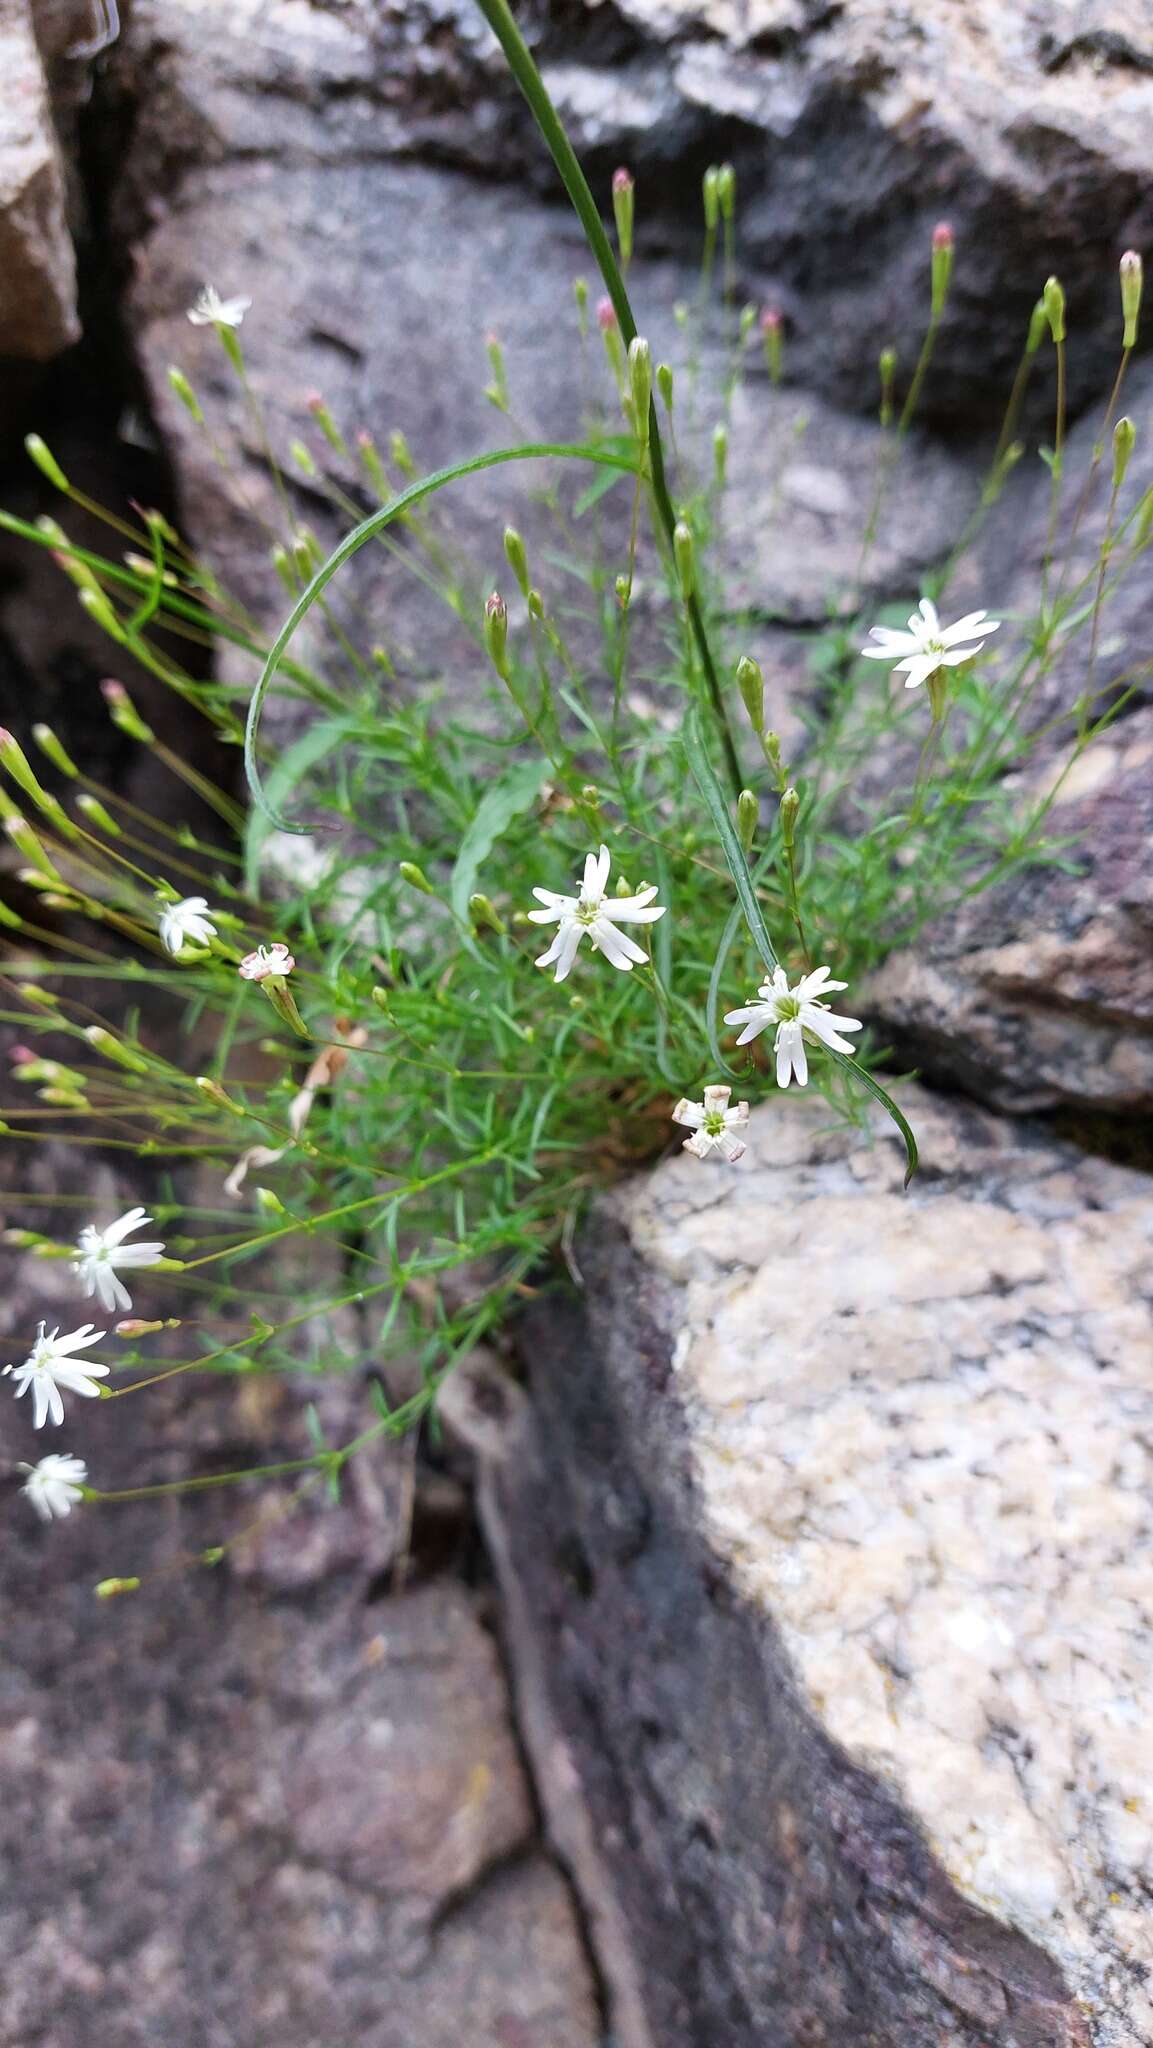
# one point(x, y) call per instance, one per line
point(941, 265)
point(773, 336)
point(622, 180)
point(266, 961)
point(20, 1055)
point(624, 197)
point(606, 317)
point(1131, 281)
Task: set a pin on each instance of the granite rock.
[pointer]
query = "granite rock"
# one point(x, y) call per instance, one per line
point(1039, 992)
point(833, 1516)
point(38, 314)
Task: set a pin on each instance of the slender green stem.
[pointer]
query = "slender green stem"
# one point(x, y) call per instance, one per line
point(499, 17)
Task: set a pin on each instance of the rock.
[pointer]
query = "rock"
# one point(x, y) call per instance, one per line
point(1039, 993)
point(249, 1802)
point(833, 1517)
point(38, 315)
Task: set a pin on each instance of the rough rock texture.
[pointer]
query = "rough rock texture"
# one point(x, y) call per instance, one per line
point(1041, 992)
point(38, 314)
point(834, 1510)
point(274, 1800)
point(853, 131)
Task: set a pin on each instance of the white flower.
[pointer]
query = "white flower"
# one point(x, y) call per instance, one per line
point(795, 1011)
point(50, 1366)
point(713, 1124)
point(589, 913)
point(265, 961)
point(100, 1252)
point(184, 921)
point(210, 310)
point(54, 1484)
point(928, 646)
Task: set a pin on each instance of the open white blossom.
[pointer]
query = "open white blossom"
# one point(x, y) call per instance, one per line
point(589, 914)
point(210, 310)
point(184, 921)
point(928, 646)
point(265, 961)
point(55, 1484)
point(100, 1252)
point(50, 1365)
point(795, 1011)
point(713, 1124)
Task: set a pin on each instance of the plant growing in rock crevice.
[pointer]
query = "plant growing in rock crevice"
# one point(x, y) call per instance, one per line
point(437, 1096)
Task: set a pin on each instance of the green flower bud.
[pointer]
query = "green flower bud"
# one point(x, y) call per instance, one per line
point(665, 386)
point(415, 877)
point(683, 553)
point(186, 394)
point(711, 197)
point(53, 750)
point(483, 912)
point(111, 1589)
point(751, 684)
point(94, 810)
point(516, 557)
point(1124, 436)
point(941, 266)
point(45, 461)
point(123, 712)
point(624, 196)
point(727, 190)
point(1038, 324)
point(887, 365)
point(720, 454)
point(748, 813)
point(1053, 300)
point(496, 634)
point(1131, 281)
point(303, 458)
point(214, 1093)
point(327, 424)
point(641, 383)
point(115, 1050)
point(773, 337)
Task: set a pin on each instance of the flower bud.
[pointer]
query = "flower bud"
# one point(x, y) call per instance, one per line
point(45, 461)
point(217, 1096)
point(516, 557)
point(111, 1589)
point(748, 321)
point(186, 394)
point(624, 194)
point(606, 315)
point(1131, 280)
point(1053, 300)
point(711, 198)
point(94, 810)
point(303, 458)
point(751, 684)
point(136, 1326)
point(941, 266)
point(1124, 436)
point(580, 292)
point(790, 805)
point(97, 606)
point(496, 634)
point(727, 190)
point(53, 750)
point(374, 468)
point(641, 383)
point(773, 336)
point(415, 877)
point(16, 761)
point(683, 554)
point(269, 1203)
point(22, 836)
point(326, 423)
point(748, 813)
point(401, 453)
point(720, 454)
point(535, 604)
point(113, 1049)
point(497, 391)
point(665, 386)
point(483, 912)
point(623, 587)
point(1038, 326)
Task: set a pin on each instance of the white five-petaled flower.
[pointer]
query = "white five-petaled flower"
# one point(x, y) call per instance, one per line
point(210, 310)
point(795, 1011)
point(100, 1252)
point(185, 921)
point(55, 1484)
point(928, 645)
point(265, 961)
point(713, 1124)
point(50, 1366)
point(589, 914)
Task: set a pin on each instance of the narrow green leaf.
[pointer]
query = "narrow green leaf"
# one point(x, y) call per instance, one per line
point(706, 780)
point(870, 1083)
point(502, 801)
point(360, 535)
